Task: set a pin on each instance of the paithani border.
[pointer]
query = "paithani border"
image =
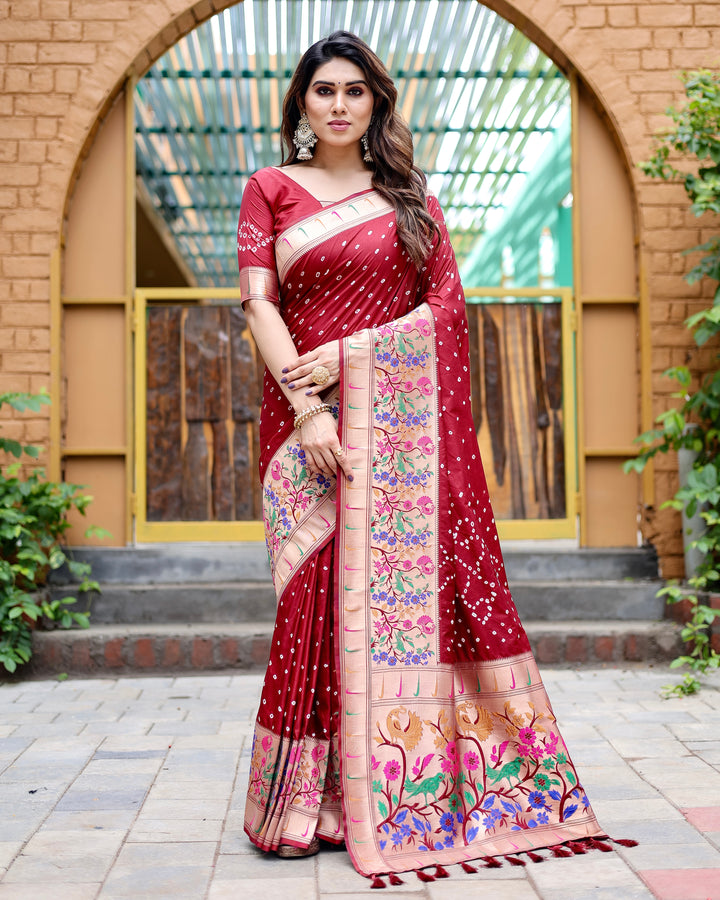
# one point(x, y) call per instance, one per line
point(360, 686)
point(309, 533)
point(366, 693)
point(328, 222)
point(258, 283)
point(292, 823)
point(516, 680)
point(352, 608)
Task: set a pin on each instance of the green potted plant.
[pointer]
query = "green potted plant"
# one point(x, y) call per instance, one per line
point(694, 424)
point(33, 520)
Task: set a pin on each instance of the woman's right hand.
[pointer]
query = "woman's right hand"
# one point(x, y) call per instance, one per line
point(319, 439)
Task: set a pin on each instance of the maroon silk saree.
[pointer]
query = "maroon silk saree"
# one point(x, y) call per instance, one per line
point(402, 711)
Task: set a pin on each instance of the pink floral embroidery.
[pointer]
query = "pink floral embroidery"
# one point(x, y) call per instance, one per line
point(478, 783)
point(289, 490)
point(402, 590)
point(310, 771)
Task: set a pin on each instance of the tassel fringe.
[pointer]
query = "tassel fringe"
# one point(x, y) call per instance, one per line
point(595, 844)
point(567, 849)
point(576, 847)
point(623, 842)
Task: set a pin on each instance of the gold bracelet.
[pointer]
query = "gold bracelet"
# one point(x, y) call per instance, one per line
point(308, 413)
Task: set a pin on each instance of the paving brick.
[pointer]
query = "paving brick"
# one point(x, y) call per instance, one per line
point(114, 653)
point(549, 650)
point(228, 650)
point(144, 653)
point(671, 884)
point(576, 648)
point(207, 798)
point(269, 888)
point(202, 653)
point(80, 658)
point(172, 653)
point(604, 648)
point(40, 891)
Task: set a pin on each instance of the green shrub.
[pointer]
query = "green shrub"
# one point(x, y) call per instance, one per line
point(33, 520)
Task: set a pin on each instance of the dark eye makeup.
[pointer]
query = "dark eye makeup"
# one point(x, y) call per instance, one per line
point(323, 90)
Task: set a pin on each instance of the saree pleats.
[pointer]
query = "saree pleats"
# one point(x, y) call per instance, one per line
point(294, 787)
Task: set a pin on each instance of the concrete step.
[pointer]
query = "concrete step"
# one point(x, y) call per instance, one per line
point(196, 646)
point(543, 561)
point(193, 563)
point(247, 601)
point(159, 604)
point(591, 600)
point(231, 583)
point(196, 563)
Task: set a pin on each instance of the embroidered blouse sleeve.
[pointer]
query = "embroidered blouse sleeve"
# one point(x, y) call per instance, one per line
point(256, 246)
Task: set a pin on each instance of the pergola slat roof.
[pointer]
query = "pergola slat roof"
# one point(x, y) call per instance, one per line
point(481, 99)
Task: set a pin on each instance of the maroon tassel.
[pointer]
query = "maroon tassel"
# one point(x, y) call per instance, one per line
point(425, 876)
point(440, 872)
point(560, 852)
point(535, 857)
point(377, 882)
point(514, 861)
point(595, 844)
point(576, 847)
point(624, 842)
point(468, 868)
point(395, 879)
point(491, 862)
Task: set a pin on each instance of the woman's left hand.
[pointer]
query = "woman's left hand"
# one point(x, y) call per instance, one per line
point(299, 376)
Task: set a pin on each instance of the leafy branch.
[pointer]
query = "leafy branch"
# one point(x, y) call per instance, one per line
point(693, 423)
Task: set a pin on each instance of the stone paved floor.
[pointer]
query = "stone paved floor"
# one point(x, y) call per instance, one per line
point(134, 788)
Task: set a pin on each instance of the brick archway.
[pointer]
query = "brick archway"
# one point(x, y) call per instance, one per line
point(66, 63)
point(154, 26)
point(83, 250)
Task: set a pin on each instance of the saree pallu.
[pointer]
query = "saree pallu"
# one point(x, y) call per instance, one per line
point(403, 710)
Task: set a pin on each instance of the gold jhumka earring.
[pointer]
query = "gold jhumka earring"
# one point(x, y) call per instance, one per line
point(305, 138)
point(366, 148)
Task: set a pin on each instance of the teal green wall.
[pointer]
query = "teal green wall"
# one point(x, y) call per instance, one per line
point(536, 207)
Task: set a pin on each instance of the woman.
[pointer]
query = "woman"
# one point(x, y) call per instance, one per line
point(402, 711)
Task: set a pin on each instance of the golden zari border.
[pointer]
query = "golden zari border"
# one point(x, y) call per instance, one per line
point(319, 227)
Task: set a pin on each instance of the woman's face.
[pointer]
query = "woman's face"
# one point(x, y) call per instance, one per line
point(339, 103)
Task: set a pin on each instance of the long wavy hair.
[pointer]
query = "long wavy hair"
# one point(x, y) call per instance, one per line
point(395, 175)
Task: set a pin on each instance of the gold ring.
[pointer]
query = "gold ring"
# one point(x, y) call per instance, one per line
point(320, 375)
point(338, 451)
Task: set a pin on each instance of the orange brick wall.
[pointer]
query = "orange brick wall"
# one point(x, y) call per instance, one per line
point(64, 60)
